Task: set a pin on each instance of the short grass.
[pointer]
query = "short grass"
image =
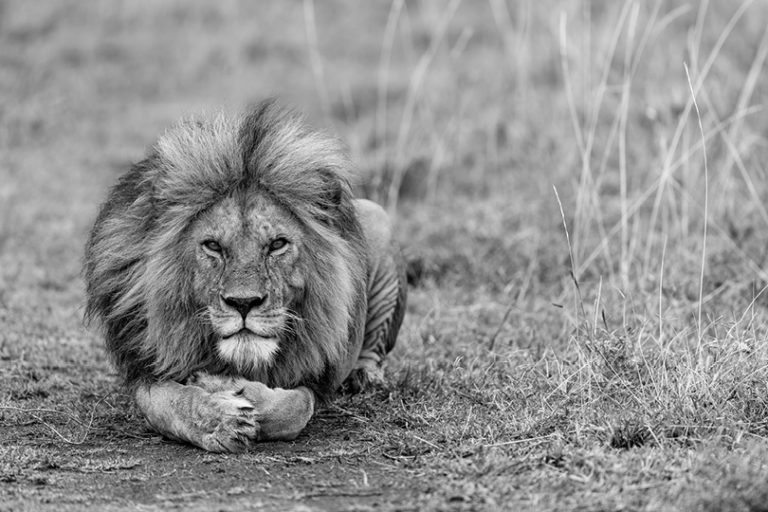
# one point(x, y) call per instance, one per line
point(580, 189)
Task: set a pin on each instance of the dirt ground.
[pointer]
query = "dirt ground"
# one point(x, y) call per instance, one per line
point(322, 470)
point(575, 338)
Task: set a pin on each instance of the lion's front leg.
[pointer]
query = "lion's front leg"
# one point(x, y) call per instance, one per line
point(281, 413)
point(220, 421)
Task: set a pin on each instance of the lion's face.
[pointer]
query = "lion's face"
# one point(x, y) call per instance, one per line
point(246, 275)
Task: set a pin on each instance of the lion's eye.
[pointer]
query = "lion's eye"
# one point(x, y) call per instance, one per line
point(212, 245)
point(277, 244)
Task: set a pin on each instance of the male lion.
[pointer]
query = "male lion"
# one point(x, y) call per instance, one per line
point(238, 282)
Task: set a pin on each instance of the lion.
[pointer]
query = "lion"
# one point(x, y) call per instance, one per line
point(238, 283)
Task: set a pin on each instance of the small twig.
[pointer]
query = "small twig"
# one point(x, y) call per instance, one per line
point(433, 445)
point(342, 494)
point(41, 411)
point(519, 441)
point(34, 413)
point(706, 203)
point(570, 252)
point(349, 413)
point(503, 322)
point(661, 290)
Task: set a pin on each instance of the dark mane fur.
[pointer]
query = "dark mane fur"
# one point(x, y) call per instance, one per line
point(136, 268)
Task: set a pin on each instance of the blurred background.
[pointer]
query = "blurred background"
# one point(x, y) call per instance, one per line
point(585, 242)
point(461, 117)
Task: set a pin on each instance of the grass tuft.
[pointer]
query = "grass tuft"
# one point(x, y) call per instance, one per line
point(603, 349)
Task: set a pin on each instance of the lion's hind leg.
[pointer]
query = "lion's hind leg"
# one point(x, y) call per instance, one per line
point(386, 293)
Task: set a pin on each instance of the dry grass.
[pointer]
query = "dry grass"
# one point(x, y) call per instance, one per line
point(602, 346)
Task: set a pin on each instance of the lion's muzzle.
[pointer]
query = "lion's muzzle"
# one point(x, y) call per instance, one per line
point(244, 304)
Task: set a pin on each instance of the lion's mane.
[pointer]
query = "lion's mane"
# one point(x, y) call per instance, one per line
point(137, 265)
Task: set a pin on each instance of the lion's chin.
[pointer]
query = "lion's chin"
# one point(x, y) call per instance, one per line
point(247, 351)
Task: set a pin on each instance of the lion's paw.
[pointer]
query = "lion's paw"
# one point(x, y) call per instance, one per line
point(364, 378)
point(228, 422)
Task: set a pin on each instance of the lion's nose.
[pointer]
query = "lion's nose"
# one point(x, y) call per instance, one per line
point(244, 304)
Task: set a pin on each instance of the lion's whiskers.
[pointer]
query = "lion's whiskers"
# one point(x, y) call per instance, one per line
point(203, 314)
point(291, 319)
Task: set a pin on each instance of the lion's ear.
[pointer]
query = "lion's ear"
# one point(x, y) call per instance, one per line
point(334, 203)
point(332, 192)
point(336, 190)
